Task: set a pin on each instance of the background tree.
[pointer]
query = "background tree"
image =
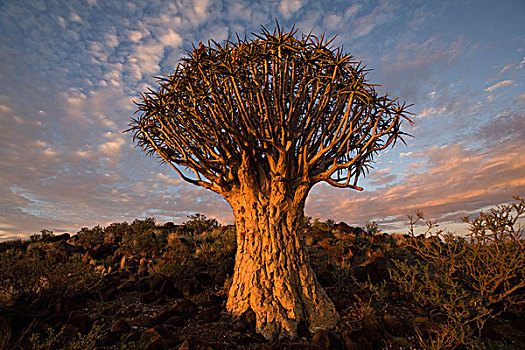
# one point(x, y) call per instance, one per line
point(260, 122)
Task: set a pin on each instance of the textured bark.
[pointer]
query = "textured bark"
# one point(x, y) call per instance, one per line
point(272, 274)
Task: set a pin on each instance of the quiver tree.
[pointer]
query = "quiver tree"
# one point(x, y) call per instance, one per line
point(260, 122)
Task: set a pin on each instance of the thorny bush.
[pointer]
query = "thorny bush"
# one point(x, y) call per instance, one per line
point(466, 281)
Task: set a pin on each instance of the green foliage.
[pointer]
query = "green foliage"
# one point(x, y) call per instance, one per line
point(30, 276)
point(65, 341)
point(466, 281)
point(177, 264)
point(141, 238)
point(372, 227)
point(220, 250)
point(323, 225)
point(89, 238)
point(199, 223)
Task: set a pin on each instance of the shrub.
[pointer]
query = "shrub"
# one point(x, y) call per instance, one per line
point(141, 238)
point(62, 340)
point(89, 238)
point(30, 276)
point(466, 281)
point(220, 250)
point(199, 223)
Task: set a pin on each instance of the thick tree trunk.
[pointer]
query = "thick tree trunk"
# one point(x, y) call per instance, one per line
point(272, 273)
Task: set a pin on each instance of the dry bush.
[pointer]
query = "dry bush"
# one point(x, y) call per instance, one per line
point(30, 276)
point(466, 281)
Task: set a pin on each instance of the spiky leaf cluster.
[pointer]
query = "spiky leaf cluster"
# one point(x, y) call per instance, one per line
point(290, 106)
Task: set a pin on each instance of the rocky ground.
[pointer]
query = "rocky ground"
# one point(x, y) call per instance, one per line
point(172, 296)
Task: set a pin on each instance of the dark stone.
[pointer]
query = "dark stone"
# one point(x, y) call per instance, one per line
point(374, 270)
point(348, 342)
point(148, 297)
point(249, 317)
point(220, 277)
point(111, 338)
point(133, 336)
point(327, 340)
point(216, 299)
point(156, 283)
point(393, 324)
point(120, 326)
point(185, 308)
point(168, 289)
point(163, 316)
point(150, 335)
point(163, 331)
point(127, 286)
point(190, 287)
point(190, 343)
point(343, 227)
point(177, 321)
point(325, 278)
point(57, 238)
point(204, 278)
point(211, 314)
point(81, 321)
point(302, 329)
point(239, 326)
point(109, 294)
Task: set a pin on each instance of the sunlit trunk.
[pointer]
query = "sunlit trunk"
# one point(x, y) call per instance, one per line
point(272, 273)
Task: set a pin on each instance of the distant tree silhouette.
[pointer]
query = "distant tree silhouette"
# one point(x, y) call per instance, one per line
point(261, 122)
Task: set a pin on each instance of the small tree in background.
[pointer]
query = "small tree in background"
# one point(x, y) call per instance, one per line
point(260, 122)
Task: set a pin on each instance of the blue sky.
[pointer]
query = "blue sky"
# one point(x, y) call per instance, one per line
point(70, 70)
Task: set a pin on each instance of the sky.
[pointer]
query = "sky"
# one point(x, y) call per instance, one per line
point(70, 71)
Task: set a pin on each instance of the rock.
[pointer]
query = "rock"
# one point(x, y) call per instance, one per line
point(374, 253)
point(128, 285)
point(349, 343)
point(176, 320)
point(220, 277)
point(325, 278)
point(150, 335)
point(239, 326)
point(185, 308)
point(193, 343)
point(133, 336)
point(375, 271)
point(327, 340)
point(189, 343)
point(190, 287)
point(314, 235)
point(393, 324)
point(168, 289)
point(157, 282)
point(343, 227)
point(58, 238)
point(109, 294)
point(204, 278)
point(348, 238)
point(163, 315)
point(81, 321)
point(148, 297)
point(211, 314)
point(249, 317)
point(420, 320)
point(326, 243)
point(215, 299)
point(120, 326)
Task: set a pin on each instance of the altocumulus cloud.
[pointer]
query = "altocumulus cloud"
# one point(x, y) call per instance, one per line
point(71, 69)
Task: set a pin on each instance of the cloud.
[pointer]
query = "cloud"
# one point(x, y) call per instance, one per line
point(289, 7)
point(498, 85)
point(458, 182)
